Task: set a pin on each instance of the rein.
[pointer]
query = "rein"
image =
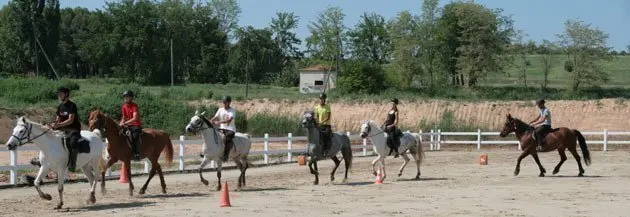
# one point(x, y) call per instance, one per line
point(210, 126)
point(28, 135)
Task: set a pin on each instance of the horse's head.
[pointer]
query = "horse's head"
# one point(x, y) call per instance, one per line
point(21, 132)
point(308, 119)
point(97, 120)
point(197, 121)
point(511, 125)
point(366, 128)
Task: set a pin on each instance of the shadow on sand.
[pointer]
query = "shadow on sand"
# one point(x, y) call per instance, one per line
point(175, 195)
point(109, 206)
point(579, 177)
point(264, 189)
point(422, 179)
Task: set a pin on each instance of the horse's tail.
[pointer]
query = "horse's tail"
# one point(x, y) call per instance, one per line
point(168, 152)
point(585, 152)
point(420, 150)
point(346, 152)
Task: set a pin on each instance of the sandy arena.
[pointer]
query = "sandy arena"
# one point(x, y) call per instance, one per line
point(453, 184)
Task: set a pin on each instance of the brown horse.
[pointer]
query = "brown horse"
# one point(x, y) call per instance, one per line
point(560, 139)
point(153, 143)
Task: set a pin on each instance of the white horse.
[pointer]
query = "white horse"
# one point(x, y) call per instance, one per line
point(408, 142)
point(213, 148)
point(54, 156)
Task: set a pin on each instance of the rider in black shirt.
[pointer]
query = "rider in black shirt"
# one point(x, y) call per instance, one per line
point(391, 130)
point(68, 122)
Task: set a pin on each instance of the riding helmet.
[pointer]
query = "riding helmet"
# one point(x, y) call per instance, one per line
point(540, 102)
point(129, 93)
point(226, 99)
point(63, 90)
point(322, 96)
point(395, 101)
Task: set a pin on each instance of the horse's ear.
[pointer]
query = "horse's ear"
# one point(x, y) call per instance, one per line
point(197, 112)
point(203, 113)
point(509, 116)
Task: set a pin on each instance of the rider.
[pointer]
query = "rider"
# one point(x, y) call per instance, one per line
point(67, 121)
point(131, 121)
point(542, 123)
point(226, 116)
point(322, 112)
point(390, 128)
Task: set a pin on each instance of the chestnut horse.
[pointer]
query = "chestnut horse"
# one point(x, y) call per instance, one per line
point(153, 142)
point(559, 138)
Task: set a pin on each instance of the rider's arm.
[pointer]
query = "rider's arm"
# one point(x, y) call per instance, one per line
point(122, 118)
point(327, 115)
point(73, 113)
point(535, 120)
point(395, 121)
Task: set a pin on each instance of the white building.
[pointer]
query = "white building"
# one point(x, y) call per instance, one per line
point(313, 79)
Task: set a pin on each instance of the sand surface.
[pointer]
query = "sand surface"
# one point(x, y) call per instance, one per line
point(452, 184)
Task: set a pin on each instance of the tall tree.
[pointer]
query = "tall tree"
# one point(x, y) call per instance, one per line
point(328, 37)
point(428, 44)
point(474, 39)
point(547, 59)
point(405, 41)
point(521, 51)
point(586, 49)
point(283, 27)
point(370, 40)
point(227, 12)
point(259, 53)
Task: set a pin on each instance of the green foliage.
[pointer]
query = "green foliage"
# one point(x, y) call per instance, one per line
point(328, 35)
point(360, 77)
point(370, 40)
point(259, 124)
point(32, 90)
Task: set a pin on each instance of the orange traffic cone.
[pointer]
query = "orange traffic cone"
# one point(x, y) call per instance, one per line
point(225, 196)
point(379, 178)
point(483, 159)
point(123, 173)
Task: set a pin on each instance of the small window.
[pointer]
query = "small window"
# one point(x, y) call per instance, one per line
point(319, 82)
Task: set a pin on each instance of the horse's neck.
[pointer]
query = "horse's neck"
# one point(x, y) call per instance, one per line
point(209, 135)
point(46, 142)
point(522, 130)
point(376, 132)
point(313, 135)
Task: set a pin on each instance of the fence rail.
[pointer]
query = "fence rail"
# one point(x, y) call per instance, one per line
point(434, 144)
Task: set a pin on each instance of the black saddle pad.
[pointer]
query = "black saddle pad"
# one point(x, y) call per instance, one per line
point(84, 145)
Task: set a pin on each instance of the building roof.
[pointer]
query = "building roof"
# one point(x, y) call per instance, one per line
point(317, 67)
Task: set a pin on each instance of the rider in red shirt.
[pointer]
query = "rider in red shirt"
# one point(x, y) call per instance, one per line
point(131, 123)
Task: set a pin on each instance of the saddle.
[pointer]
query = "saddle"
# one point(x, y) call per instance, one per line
point(83, 145)
point(397, 134)
point(127, 134)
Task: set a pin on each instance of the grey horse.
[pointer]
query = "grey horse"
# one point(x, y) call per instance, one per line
point(340, 142)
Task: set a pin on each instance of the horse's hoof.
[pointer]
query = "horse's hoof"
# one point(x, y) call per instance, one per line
point(205, 182)
point(218, 188)
point(163, 191)
point(374, 173)
point(332, 179)
point(315, 183)
point(399, 174)
point(516, 172)
point(344, 180)
point(141, 192)
point(541, 175)
point(555, 172)
point(580, 175)
point(90, 201)
point(59, 206)
point(46, 197)
point(417, 177)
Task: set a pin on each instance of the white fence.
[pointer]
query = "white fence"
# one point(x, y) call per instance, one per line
point(434, 143)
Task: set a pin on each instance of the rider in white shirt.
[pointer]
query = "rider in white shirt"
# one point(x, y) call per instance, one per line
point(225, 119)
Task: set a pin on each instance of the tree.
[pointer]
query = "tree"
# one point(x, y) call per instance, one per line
point(521, 51)
point(361, 77)
point(547, 59)
point(259, 53)
point(405, 64)
point(328, 36)
point(227, 12)
point(586, 49)
point(370, 40)
point(428, 44)
point(283, 27)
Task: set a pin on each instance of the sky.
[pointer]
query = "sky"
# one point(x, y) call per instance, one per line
point(539, 19)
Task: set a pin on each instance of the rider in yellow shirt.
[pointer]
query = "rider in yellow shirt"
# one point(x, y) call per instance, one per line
point(322, 113)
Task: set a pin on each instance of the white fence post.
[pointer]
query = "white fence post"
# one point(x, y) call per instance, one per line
point(266, 149)
point(349, 134)
point(289, 146)
point(146, 165)
point(431, 144)
point(14, 170)
point(182, 162)
point(364, 146)
point(519, 146)
point(605, 148)
point(439, 140)
point(478, 139)
point(109, 170)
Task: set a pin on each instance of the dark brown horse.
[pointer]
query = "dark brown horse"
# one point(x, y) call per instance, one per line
point(560, 139)
point(153, 142)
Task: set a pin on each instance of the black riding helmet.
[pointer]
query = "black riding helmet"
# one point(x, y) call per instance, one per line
point(226, 99)
point(322, 96)
point(129, 93)
point(394, 100)
point(63, 90)
point(540, 102)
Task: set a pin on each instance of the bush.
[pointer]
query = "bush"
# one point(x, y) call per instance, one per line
point(360, 77)
point(32, 90)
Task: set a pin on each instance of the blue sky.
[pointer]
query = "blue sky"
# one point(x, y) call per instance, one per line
point(540, 19)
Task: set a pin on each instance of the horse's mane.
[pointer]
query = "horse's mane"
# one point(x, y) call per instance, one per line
point(26, 120)
point(522, 125)
point(205, 120)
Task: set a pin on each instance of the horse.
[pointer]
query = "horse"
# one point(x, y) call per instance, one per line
point(340, 143)
point(213, 148)
point(54, 156)
point(154, 142)
point(559, 138)
point(408, 142)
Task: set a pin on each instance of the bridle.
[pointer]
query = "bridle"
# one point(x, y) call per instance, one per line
point(196, 127)
point(28, 137)
point(369, 129)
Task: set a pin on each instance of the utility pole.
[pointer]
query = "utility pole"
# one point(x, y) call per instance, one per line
point(247, 74)
point(172, 67)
